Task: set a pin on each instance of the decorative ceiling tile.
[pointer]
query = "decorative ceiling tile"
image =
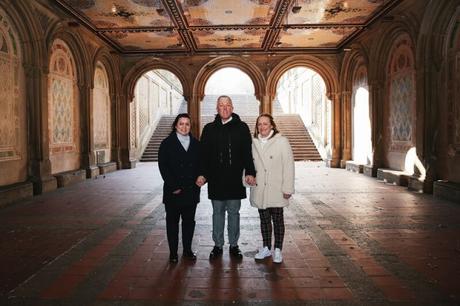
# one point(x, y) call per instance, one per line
point(229, 39)
point(335, 11)
point(225, 12)
point(166, 40)
point(212, 25)
point(313, 37)
point(123, 13)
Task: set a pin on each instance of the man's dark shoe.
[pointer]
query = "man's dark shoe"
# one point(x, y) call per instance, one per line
point(173, 258)
point(216, 252)
point(235, 252)
point(189, 255)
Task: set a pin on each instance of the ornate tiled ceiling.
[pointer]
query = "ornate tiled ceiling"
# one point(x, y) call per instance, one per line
point(201, 26)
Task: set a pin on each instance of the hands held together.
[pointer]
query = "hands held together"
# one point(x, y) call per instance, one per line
point(249, 179)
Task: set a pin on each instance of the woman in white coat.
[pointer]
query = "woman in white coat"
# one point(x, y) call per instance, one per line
point(274, 164)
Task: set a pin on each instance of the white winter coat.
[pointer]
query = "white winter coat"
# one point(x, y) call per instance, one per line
point(274, 164)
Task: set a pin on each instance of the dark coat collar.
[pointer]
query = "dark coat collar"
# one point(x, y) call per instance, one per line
point(235, 118)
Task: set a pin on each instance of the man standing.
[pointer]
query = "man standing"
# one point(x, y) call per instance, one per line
point(226, 152)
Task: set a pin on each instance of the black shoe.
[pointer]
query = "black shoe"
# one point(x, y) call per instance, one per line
point(173, 258)
point(216, 252)
point(189, 255)
point(235, 252)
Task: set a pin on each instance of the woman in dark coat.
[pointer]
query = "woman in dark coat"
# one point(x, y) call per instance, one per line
point(178, 160)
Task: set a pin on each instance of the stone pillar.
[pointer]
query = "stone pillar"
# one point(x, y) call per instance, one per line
point(115, 130)
point(88, 160)
point(266, 104)
point(346, 128)
point(334, 161)
point(37, 104)
point(376, 103)
point(127, 161)
point(193, 108)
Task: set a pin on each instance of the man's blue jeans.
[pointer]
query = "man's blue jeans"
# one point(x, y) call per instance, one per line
point(218, 221)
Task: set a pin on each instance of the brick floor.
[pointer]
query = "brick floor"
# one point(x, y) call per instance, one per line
point(350, 240)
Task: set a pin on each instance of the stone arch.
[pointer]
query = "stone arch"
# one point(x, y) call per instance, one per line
point(13, 115)
point(438, 56)
point(29, 31)
point(101, 115)
point(104, 56)
point(331, 132)
point(399, 105)
point(63, 109)
point(147, 64)
point(352, 61)
point(380, 53)
point(229, 61)
point(328, 73)
point(77, 47)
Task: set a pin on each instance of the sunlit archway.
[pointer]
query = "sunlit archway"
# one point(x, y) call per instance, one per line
point(157, 94)
point(362, 143)
point(238, 86)
point(302, 91)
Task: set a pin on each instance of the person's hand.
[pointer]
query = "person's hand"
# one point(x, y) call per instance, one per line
point(286, 196)
point(176, 192)
point(200, 181)
point(250, 180)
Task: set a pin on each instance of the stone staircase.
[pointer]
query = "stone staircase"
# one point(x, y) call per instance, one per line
point(290, 126)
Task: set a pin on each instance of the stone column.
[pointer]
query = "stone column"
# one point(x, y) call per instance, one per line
point(193, 108)
point(88, 160)
point(376, 103)
point(37, 104)
point(334, 161)
point(346, 128)
point(127, 161)
point(115, 130)
point(266, 104)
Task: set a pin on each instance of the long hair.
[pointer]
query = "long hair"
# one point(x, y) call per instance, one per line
point(272, 122)
point(183, 115)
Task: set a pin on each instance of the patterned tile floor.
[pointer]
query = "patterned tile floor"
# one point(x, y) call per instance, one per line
point(350, 240)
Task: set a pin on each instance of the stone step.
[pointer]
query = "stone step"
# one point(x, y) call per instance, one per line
point(289, 125)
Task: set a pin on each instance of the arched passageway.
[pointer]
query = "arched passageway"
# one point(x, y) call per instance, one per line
point(158, 98)
point(302, 91)
point(238, 86)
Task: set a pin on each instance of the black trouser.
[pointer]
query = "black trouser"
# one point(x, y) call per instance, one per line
point(173, 214)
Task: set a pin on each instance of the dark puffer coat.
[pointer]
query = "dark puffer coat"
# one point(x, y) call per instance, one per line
point(179, 170)
point(226, 152)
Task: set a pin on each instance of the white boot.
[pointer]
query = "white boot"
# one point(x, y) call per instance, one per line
point(263, 253)
point(277, 257)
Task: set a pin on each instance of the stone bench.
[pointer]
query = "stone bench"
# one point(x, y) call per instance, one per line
point(415, 184)
point(394, 177)
point(354, 166)
point(70, 177)
point(447, 190)
point(370, 170)
point(15, 192)
point(107, 167)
